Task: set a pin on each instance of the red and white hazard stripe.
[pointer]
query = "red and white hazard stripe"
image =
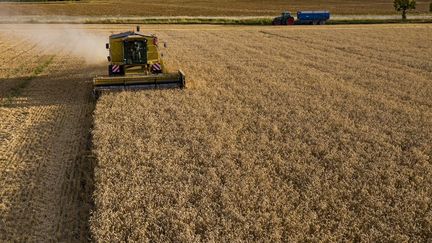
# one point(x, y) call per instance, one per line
point(156, 67)
point(115, 68)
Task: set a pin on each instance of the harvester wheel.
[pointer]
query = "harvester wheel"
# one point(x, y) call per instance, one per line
point(182, 80)
point(96, 94)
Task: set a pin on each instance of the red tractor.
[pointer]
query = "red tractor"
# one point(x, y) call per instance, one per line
point(284, 19)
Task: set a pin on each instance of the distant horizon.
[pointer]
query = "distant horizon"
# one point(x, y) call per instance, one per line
point(203, 8)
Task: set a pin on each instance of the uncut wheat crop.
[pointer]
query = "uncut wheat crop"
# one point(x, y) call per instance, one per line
point(283, 134)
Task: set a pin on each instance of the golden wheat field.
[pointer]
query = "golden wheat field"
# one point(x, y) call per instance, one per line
point(283, 134)
point(306, 133)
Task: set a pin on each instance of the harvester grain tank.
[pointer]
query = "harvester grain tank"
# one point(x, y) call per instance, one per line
point(303, 17)
point(135, 62)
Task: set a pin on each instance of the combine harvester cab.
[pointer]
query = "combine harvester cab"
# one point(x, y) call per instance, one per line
point(135, 63)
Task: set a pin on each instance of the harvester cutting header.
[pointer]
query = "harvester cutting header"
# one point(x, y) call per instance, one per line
point(136, 63)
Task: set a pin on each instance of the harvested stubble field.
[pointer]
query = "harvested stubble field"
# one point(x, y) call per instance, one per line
point(45, 120)
point(284, 134)
point(200, 8)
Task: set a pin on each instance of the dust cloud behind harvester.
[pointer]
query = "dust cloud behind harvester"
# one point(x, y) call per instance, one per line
point(69, 39)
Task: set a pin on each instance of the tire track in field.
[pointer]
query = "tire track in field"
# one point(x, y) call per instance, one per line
point(46, 164)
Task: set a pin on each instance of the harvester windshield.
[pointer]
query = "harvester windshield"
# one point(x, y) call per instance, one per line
point(135, 52)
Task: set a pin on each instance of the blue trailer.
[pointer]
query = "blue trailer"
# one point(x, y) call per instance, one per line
point(312, 17)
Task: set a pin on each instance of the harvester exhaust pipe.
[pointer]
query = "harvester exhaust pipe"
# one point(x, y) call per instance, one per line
point(138, 28)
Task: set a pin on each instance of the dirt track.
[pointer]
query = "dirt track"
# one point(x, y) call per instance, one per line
point(45, 163)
